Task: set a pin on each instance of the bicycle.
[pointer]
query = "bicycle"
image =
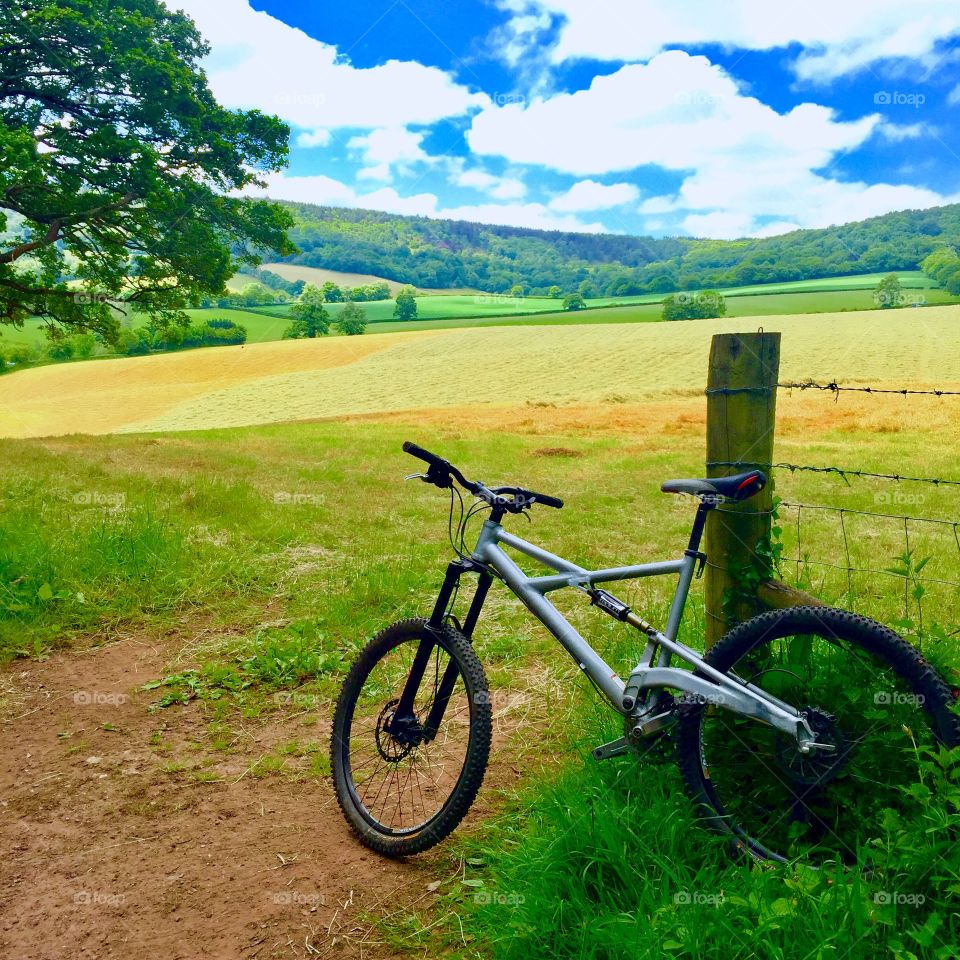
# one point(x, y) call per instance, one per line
point(794, 733)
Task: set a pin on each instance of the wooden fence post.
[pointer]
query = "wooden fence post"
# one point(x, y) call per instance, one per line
point(741, 412)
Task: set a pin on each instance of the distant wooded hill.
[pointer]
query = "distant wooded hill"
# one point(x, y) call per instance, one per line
point(455, 253)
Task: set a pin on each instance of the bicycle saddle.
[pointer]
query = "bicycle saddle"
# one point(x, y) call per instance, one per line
point(738, 487)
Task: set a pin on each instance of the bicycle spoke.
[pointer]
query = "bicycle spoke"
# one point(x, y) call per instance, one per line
point(402, 786)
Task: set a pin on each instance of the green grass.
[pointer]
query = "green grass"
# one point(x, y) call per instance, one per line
point(607, 862)
point(445, 311)
point(808, 296)
point(110, 535)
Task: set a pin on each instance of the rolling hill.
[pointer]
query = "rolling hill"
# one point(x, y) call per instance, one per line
point(444, 254)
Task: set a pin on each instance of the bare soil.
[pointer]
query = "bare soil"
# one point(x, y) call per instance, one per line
point(113, 849)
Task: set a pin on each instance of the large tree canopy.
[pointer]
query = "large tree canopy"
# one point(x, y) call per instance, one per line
point(118, 168)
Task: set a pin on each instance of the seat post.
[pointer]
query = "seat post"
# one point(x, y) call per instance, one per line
point(696, 534)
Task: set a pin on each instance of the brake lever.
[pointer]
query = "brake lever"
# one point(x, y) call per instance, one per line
point(416, 476)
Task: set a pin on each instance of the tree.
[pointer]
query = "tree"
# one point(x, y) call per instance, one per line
point(406, 304)
point(517, 290)
point(134, 343)
point(694, 306)
point(120, 167)
point(255, 295)
point(60, 349)
point(83, 345)
point(574, 301)
point(310, 319)
point(888, 292)
point(554, 293)
point(352, 320)
point(332, 293)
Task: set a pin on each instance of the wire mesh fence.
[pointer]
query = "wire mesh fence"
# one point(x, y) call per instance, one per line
point(894, 566)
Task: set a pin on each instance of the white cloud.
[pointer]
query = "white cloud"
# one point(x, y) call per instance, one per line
point(534, 215)
point(313, 138)
point(743, 164)
point(387, 148)
point(776, 228)
point(258, 61)
point(721, 223)
point(326, 190)
point(836, 38)
point(796, 198)
point(590, 195)
point(904, 131)
point(953, 97)
point(500, 188)
point(678, 112)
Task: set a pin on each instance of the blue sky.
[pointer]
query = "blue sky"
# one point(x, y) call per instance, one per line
point(697, 118)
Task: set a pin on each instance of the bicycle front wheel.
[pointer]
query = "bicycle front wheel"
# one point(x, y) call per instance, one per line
point(403, 789)
point(866, 693)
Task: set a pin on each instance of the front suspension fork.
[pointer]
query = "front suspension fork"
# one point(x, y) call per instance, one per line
point(404, 718)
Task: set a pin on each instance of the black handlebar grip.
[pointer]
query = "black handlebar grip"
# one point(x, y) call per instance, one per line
point(422, 454)
point(554, 502)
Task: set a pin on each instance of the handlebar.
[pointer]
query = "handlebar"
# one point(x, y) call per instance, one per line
point(512, 499)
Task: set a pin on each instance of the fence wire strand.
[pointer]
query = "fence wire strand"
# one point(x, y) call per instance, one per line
point(843, 472)
point(836, 389)
point(849, 566)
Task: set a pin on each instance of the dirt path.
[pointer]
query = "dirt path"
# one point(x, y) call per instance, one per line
point(110, 853)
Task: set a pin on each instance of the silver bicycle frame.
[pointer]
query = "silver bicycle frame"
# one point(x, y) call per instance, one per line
point(709, 685)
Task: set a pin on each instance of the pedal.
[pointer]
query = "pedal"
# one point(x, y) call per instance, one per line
point(614, 748)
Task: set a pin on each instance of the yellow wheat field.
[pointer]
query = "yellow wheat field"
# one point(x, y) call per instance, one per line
point(498, 373)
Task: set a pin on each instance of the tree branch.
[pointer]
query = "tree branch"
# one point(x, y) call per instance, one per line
point(51, 237)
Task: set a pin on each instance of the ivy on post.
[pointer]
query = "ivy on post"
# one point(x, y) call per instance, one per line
point(741, 413)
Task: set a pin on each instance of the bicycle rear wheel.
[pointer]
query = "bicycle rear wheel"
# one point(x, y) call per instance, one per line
point(865, 691)
point(403, 791)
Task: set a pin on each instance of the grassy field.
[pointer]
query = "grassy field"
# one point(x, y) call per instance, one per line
point(294, 542)
point(319, 276)
point(525, 368)
point(459, 309)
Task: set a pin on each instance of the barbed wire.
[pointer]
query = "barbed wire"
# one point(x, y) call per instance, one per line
point(835, 388)
point(908, 576)
point(839, 471)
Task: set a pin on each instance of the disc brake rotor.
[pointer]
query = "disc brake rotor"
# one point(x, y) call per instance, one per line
point(818, 767)
point(389, 747)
